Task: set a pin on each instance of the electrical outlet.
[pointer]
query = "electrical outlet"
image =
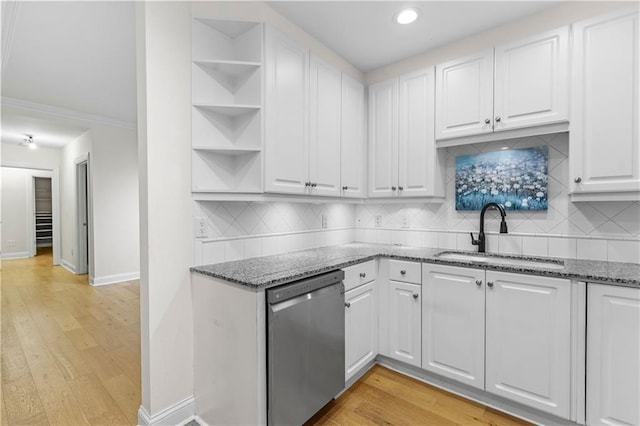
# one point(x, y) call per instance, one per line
point(11, 243)
point(324, 221)
point(201, 227)
point(405, 222)
point(378, 221)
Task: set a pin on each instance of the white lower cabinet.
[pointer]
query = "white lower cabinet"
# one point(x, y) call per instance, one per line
point(506, 333)
point(404, 317)
point(361, 327)
point(613, 355)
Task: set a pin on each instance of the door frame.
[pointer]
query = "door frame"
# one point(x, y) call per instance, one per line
point(83, 244)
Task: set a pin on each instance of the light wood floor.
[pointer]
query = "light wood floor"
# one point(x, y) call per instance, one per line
point(71, 356)
point(384, 397)
point(70, 351)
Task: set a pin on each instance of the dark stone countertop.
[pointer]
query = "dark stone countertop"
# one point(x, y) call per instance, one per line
point(268, 271)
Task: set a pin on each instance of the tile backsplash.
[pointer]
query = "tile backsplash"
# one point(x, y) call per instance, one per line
point(601, 231)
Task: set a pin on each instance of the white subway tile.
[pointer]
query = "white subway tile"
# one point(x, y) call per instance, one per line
point(269, 245)
point(429, 239)
point(398, 237)
point(463, 242)
point(535, 246)
point(562, 247)
point(414, 238)
point(591, 249)
point(212, 252)
point(383, 236)
point(233, 250)
point(360, 236)
point(447, 240)
point(253, 247)
point(510, 244)
point(623, 251)
point(285, 243)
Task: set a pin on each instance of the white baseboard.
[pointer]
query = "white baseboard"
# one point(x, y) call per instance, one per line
point(178, 414)
point(16, 255)
point(113, 279)
point(68, 266)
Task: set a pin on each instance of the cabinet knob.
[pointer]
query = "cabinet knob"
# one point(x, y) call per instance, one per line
point(347, 304)
point(490, 283)
point(415, 295)
point(478, 283)
point(498, 119)
point(307, 184)
point(401, 188)
point(578, 179)
point(393, 188)
point(344, 188)
point(487, 121)
point(313, 185)
point(403, 272)
point(363, 274)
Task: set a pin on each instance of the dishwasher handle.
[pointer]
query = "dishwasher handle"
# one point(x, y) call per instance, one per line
point(290, 291)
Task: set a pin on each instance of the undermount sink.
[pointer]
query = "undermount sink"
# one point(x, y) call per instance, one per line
point(501, 260)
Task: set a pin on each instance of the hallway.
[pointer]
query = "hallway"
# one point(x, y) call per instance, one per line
point(70, 351)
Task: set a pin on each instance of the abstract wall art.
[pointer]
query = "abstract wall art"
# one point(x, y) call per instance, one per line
point(515, 178)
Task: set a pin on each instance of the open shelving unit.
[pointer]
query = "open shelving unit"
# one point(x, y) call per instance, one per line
point(43, 209)
point(227, 111)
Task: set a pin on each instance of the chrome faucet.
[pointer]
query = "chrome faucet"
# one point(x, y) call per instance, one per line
point(481, 241)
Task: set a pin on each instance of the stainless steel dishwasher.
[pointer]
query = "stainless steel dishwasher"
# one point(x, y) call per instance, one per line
point(305, 348)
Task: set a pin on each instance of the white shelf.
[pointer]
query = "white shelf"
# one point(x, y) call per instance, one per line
point(228, 40)
point(228, 150)
point(229, 110)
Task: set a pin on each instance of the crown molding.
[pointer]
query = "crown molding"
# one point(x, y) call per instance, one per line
point(66, 113)
point(9, 13)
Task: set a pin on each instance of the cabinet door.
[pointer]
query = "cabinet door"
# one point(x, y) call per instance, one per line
point(353, 139)
point(604, 149)
point(324, 139)
point(528, 340)
point(464, 96)
point(416, 138)
point(286, 112)
point(361, 322)
point(405, 325)
point(531, 81)
point(453, 323)
point(613, 355)
point(383, 138)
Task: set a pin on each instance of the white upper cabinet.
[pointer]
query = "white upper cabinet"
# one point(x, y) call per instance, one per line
point(464, 96)
point(286, 111)
point(325, 131)
point(604, 152)
point(518, 85)
point(403, 160)
point(613, 355)
point(531, 81)
point(353, 154)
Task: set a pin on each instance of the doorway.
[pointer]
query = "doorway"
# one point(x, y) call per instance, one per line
point(43, 220)
point(82, 215)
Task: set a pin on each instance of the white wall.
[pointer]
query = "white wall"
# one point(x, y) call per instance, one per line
point(14, 214)
point(39, 158)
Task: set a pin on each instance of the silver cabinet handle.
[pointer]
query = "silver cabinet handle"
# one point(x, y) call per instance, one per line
point(478, 283)
point(578, 179)
point(401, 188)
point(490, 283)
point(363, 274)
point(487, 121)
point(415, 295)
point(344, 188)
point(393, 188)
point(498, 119)
point(313, 185)
point(347, 304)
point(403, 272)
point(307, 184)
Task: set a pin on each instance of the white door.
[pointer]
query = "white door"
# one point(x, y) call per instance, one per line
point(532, 81)
point(82, 218)
point(453, 323)
point(383, 138)
point(405, 325)
point(528, 340)
point(464, 96)
point(361, 322)
point(324, 125)
point(353, 140)
point(613, 355)
point(604, 148)
point(416, 138)
point(286, 112)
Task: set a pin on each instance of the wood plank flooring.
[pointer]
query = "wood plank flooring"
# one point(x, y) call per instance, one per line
point(70, 351)
point(71, 356)
point(385, 397)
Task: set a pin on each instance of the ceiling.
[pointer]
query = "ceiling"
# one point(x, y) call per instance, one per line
point(76, 59)
point(375, 39)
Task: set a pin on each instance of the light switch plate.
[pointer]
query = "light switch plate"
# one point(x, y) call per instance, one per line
point(200, 227)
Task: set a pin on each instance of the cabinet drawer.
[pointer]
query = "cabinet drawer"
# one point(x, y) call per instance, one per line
point(408, 272)
point(359, 274)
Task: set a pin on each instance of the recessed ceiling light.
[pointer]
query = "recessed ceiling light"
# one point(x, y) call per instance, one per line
point(407, 16)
